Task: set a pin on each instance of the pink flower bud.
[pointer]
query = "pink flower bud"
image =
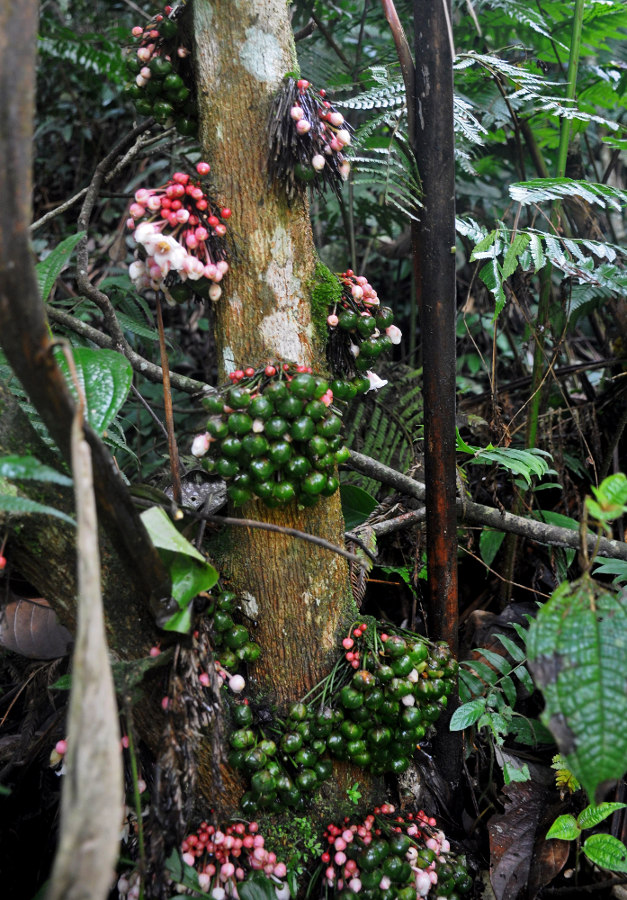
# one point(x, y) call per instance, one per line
point(343, 137)
point(145, 73)
point(303, 126)
point(137, 31)
point(61, 747)
point(236, 683)
point(280, 870)
point(200, 444)
point(222, 266)
point(189, 859)
point(203, 168)
point(357, 292)
point(318, 162)
point(395, 334)
point(332, 320)
point(297, 113)
point(215, 292)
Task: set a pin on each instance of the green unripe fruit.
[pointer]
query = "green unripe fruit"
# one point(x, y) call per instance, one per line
point(279, 452)
point(276, 427)
point(303, 386)
point(314, 483)
point(348, 320)
point(255, 445)
point(275, 391)
point(167, 28)
point(213, 404)
point(231, 447)
point(173, 82)
point(290, 407)
point(302, 428)
point(384, 317)
point(284, 492)
point(260, 469)
point(297, 467)
point(261, 407)
point(227, 468)
point(236, 637)
point(242, 715)
point(239, 423)
point(238, 398)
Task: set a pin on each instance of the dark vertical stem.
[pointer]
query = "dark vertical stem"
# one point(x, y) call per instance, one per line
point(434, 148)
point(173, 449)
point(434, 241)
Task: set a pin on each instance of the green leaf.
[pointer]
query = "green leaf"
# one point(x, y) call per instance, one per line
point(18, 505)
point(27, 468)
point(509, 689)
point(577, 649)
point(357, 505)
point(591, 816)
point(105, 377)
point(517, 653)
point(616, 567)
point(482, 670)
point(606, 851)
point(64, 683)
point(49, 269)
point(510, 260)
point(189, 570)
point(489, 544)
point(611, 498)
point(564, 828)
point(466, 715)
point(515, 773)
point(499, 662)
point(256, 887)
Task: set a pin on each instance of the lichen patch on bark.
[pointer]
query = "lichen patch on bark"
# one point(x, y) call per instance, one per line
point(261, 55)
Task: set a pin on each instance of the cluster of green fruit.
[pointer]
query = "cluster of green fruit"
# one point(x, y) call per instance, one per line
point(360, 328)
point(161, 74)
point(386, 694)
point(391, 857)
point(373, 709)
point(274, 434)
point(231, 641)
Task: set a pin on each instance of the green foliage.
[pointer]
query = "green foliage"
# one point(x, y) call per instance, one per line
point(189, 571)
point(298, 843)
point(564, 778)
point(357, 505)
point(105, 378)
point(51, 267)
point(27, 468)
point(610, 500)
point(524, 463)
point(577, 654)
point(602, 850)
point(488, 695)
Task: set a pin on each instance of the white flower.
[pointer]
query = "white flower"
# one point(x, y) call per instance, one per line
point(145, 231)
point(375, 381)
point(343, 136)
point(137, 270)
point(345, 170)
point(167, 253)
point(395, 334)
point(200, 444)
point(283, 892)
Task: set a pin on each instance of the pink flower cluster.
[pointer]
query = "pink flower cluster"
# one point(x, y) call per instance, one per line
point(331, 134)
point(343, 872)
point(180, 232)
point(224, 858)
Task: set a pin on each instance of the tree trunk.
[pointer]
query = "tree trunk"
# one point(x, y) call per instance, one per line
point(243, 50)
point(299, 594)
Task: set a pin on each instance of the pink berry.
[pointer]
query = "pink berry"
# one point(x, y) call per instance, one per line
point(203, 168)
point(347, 643)
point(61, 747)
point(332, 320)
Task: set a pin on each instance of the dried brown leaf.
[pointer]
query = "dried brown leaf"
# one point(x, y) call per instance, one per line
point(30, 627)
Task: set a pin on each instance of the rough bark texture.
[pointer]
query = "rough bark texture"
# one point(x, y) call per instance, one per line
point(299, 594)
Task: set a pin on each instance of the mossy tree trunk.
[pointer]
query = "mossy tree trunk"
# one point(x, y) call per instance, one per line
point(301, 593)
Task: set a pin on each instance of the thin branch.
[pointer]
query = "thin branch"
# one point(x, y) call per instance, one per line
point(403, 51)
point(329, 39)
point(279, 529)
point(173, 449)
point(477, 514)
point(142, 366)
point(304, 32)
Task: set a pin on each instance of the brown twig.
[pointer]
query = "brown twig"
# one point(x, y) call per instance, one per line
point(175, 469)
point(477, 514)
point(403, 51)
point(142, 366)
point(279, 529)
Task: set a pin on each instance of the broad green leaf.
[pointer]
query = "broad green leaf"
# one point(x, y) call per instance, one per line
point(591, 816)
point(479, 250)
point(256, 887)
point(189, 571)
point(564, 828)
point(10, 503)
point(606, 851)
point(27, 468)
point(105, 377)
point(577, 650)
point(473, 684)
point(49, 269)
point(515, 773)
point(489, 544)
point(490, 274)
point(611, 498)
point(357, 505)
point(466, 715)
point(64, 683)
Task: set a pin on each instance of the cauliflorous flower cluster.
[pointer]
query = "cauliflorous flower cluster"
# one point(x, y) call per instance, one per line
point(181, 231)
point(308, 138)
point(225, 858)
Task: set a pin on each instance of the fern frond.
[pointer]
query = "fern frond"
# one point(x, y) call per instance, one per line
point(543, 190)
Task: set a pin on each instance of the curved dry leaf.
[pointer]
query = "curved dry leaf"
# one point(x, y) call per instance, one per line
point(29, 626)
